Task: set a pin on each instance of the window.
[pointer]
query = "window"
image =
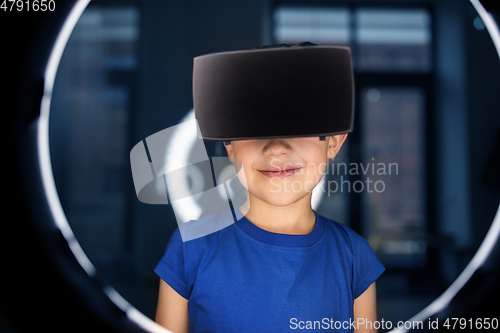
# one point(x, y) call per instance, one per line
point(392, 143)
point(396, 40)
point(314, 24)
point(393, 40)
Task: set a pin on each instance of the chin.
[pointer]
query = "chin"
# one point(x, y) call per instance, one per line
point(283, 199)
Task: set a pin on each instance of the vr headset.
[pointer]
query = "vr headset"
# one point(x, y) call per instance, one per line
point(284, 91)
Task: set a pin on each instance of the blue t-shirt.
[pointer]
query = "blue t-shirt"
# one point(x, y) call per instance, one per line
point(246, 279)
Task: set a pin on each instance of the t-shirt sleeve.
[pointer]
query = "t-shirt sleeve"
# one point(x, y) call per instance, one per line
point(171, 266)
point(366, 266)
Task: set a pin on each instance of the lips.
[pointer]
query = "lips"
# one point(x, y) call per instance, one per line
point(279, 172)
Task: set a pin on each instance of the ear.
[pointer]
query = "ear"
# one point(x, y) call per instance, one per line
point(335, 142)
point(230, 151)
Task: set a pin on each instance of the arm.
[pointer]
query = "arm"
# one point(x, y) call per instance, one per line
point(365, 308)
point(172, 310)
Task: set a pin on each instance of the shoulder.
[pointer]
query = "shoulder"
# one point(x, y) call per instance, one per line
point(344, 233)
point(210, 225)
point(189, 245)
point(366, 267)
point(338, 229)
point(193, 239)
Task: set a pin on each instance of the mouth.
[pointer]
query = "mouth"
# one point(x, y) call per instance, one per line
point(276, 172)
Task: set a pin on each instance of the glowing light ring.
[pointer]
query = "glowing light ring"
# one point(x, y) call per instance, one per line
point(48, 178)
point(179, 147)
point(43, 136)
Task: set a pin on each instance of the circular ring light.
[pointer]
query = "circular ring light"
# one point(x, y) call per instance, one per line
point(132, 313)
point(48, 178)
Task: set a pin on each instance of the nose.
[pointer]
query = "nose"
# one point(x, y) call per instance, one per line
point(277, 148)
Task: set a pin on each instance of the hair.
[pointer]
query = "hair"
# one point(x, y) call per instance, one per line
point(287, 45)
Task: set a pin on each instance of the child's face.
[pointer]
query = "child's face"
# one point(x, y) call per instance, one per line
point(283, 171)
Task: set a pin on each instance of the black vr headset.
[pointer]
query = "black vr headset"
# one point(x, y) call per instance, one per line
point(274, 92)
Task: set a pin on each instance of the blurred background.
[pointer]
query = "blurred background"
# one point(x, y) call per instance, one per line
point(427, 83)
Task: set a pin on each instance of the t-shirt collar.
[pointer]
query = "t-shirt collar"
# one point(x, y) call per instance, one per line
point(282, 239)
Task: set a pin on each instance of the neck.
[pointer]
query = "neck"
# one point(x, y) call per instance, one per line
point(294, 219)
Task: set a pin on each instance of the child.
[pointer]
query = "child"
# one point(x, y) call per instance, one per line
point(281, 266)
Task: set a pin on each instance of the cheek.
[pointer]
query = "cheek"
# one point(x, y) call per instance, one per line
point(313, 178)
point(316, 167)
point(316, 161)
point(240, 172)
point(321, 167)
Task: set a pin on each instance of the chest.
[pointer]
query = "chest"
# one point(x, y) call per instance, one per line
point(262, 288)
